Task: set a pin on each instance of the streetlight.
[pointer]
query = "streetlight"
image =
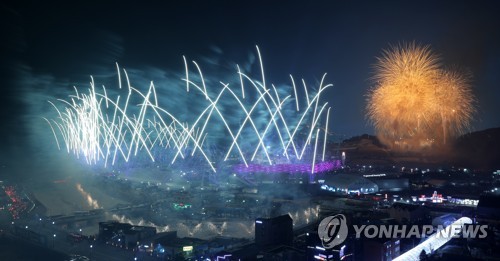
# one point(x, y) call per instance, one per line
point(53, 241)
point(90, 252)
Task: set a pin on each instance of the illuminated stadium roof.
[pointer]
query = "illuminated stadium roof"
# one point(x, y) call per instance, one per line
point(348, 183)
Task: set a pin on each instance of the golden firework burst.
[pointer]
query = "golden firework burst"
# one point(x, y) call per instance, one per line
point(414, 102)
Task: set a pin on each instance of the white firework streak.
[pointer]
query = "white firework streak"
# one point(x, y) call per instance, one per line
point(89, 130)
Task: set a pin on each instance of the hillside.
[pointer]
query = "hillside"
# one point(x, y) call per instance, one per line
point(480, 150)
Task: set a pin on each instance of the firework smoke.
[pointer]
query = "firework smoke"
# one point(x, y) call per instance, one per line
point(100, 127)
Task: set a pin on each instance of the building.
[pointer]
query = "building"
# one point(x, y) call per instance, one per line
point(124, 234)
point(167, 246)
point(109, 229)
point(381, 249)
point(348, 183)
point(404, 213)
point(445, 220)
point(274, 231)
point(135, 234)
point(316, 251)
point(488, 208)
point(391, 184)
point(283, 253)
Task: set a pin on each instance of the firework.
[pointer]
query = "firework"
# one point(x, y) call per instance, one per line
point(103, 128)
point(415, 103)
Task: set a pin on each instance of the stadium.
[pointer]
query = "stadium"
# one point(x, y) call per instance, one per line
point(254, 127)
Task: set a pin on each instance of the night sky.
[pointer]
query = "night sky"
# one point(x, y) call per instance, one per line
point(48, 48)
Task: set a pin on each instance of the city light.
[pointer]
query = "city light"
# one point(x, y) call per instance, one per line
point(435, 241)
